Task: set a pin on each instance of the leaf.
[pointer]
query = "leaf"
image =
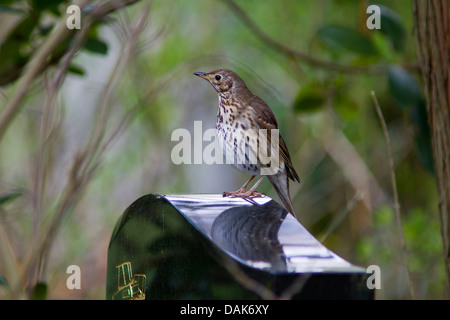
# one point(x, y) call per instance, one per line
point(310, 98)
point(96, 46)
point(392, 27)
point(6, 2)
point(77, 70)
point(384, 216)
point(8, 9)
point(403, 87)
point(423, 136)
point(346, 38)
point(8, 197)
point(15, 49)
point(40, 291)
point(384, 47)
point(3, 281)
point(346, 107)
point(47, 4)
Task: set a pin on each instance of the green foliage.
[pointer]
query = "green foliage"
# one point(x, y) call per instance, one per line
point(31, 25)
point(393, 28)
point(346, 38)
point(424, 248)
point(40, 291)
point(5, 198)
point(403, 87)
point(310, 98)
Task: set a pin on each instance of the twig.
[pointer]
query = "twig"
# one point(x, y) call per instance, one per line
point(341, 215)
point(32, 69)
point(296, 287)
point(401, 237)
point(87, 160)
point(246, 281)
point(38, 62)
point(10, 268)
point(352, 165)
point(296, 54)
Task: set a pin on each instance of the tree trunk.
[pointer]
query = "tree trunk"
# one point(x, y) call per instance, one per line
point(432, 33)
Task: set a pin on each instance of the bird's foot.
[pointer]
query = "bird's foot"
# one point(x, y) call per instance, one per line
point(234, 194)
point(253, 194)
point(244, 194)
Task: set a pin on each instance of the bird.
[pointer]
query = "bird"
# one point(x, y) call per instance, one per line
point(247, 131)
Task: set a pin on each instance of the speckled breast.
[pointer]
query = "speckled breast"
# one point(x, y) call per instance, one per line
point(237, 139)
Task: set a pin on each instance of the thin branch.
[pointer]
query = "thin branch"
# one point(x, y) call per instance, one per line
point(246, 281)
point(39, 61)
point(296, 54)
point(260, 289)
point(342, 214)
point(87, 160)
point(394, 189)
point(32, 69)
point(10, 268)
point(296, 287)
point(352, 165)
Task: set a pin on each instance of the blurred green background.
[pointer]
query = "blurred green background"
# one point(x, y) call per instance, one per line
point(93, 132)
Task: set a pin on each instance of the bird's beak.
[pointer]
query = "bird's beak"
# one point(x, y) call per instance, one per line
point(202, 75)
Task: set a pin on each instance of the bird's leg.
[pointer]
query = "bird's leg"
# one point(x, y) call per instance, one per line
point(252, 193)
point(247, 195)
point(239, 192)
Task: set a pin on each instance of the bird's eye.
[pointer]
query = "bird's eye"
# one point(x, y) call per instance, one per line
point(218, 77)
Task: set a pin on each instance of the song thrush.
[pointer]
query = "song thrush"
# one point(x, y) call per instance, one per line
point(247, 131)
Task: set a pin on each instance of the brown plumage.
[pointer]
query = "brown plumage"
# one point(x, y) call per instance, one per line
point(242, 118)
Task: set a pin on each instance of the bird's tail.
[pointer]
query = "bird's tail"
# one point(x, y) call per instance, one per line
point(280, 182)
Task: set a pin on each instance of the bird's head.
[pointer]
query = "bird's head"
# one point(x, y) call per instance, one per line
point(224, 81)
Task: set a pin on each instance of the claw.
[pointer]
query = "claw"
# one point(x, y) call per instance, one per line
point(246, 195)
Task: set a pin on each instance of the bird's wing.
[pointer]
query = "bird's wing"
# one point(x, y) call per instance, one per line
point(267, 120)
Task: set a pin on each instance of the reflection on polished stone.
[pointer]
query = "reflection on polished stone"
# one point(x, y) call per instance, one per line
point(262, 236)
point(182, 244)
point(251, 234)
